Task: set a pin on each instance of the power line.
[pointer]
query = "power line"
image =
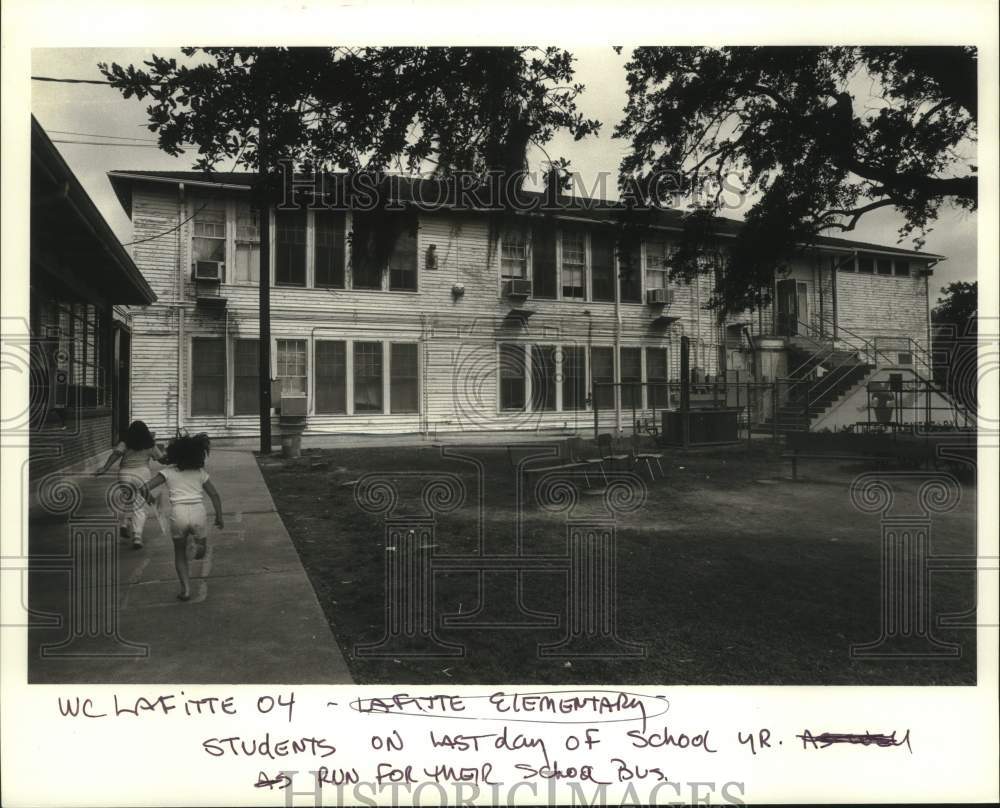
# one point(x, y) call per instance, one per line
point(70, 81)
point(188, 219)
point(167, 232)
point(112, 145)
point(95, 134)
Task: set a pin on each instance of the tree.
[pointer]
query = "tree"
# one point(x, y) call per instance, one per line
point(353, 109)
point(471, 109)
point(955, 341)
point(789, 124)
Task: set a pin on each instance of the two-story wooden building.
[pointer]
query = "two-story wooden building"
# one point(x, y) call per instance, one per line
point(435, 317)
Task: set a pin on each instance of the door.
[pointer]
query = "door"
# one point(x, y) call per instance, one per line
point(793, 307)
point(788, 304)
point(801, 306)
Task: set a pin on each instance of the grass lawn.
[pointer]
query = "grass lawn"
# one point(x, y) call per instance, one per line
point(729, 574)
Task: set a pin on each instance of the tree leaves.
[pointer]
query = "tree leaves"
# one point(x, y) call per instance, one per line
point(339, 108)
point(788, 123)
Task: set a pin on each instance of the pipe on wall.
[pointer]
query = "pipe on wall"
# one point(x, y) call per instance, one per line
point(179, 278)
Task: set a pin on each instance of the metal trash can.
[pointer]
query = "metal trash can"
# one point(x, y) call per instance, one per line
point(291, 445)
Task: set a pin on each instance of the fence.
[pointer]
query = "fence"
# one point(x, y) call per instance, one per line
point(642, 404)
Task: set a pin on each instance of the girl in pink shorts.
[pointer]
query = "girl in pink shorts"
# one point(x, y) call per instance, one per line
point(186, 481)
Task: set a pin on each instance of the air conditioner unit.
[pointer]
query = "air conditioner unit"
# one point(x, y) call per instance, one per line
point(208, 271)
point(293, 406)
point(517, 288)
point(659, 297)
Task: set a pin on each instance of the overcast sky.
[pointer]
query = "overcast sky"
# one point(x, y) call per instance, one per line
point(94, 111)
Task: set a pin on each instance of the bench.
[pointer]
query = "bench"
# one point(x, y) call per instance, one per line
point(796, 455)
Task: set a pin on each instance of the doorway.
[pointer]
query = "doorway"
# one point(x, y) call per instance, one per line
point(793, 307)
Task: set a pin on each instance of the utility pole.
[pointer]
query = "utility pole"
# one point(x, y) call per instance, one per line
point(264, 281)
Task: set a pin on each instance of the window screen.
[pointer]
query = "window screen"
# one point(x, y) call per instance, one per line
point(290, 248)
point(208, 376)
point(331, 376)
point(512, 377)
point(574, 378)
point(543, 377)
point(246, 364)
point(329, 250)
point(403, 382)
point(602, 369)
point(368, 377)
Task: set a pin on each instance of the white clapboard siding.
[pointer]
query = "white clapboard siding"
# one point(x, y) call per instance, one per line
point(457, 335)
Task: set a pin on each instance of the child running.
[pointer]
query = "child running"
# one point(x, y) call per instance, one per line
point(135, 450)
point(186, 480)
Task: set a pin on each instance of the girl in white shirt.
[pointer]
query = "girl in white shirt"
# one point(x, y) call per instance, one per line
point(186, 481)
point(135, 450)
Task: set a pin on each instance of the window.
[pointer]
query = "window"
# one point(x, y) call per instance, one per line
point(403, 382)
point(403, 261)
point(78, 330)
point(543, 261)
point(844, 263)
point(543, 377)
point(246, 389)
point(329, 250)
point(208, 376)
point(247, 268)
point(208, 242)
point(331, 376)
point(383, 243)
point(631, 359)
point(292, 366)
point(574, 264)
point(368, 377)
point(512, 377)
point(602, 267)
point(902, 267)
point(630, 273)
point(290, 248)
point(514, 255)
point(602, 370)
point(866, 264)
point(657, 264)
point(366, 267)
point(656, 376)
point(574, 378)
point(883, 266)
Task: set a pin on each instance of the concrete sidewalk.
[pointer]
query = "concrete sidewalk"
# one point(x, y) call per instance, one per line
point(253, 616)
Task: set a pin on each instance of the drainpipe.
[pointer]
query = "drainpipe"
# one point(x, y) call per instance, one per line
point(180, 306)
point(425, 354)
point(226, 354)
point(616, 360)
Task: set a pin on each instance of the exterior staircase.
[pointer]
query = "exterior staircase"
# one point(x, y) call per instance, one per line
point(821, 376)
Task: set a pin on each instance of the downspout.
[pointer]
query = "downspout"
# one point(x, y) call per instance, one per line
point(425, 358)
point(616, 360)
point(835, 272)
point(180, 307)
point(226, 354)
